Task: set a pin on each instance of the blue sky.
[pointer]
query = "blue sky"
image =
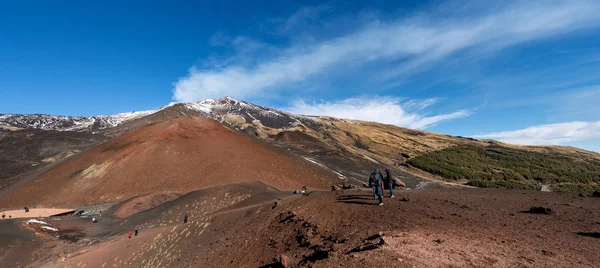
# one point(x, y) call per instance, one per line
point(524, 72)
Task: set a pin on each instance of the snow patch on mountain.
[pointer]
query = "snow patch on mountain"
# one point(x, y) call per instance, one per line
point(69, 123)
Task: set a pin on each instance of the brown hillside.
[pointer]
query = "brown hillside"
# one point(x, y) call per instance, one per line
point(180, 154)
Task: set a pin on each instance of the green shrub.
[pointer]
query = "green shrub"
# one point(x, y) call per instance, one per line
point(499, 166)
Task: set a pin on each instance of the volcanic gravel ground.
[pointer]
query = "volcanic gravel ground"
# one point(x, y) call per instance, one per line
point(438, 227)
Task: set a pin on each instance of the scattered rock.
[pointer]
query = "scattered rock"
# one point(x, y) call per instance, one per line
point(540, 210)
point(51, 244)
point(284, 261)
point(398, 182)
point(276, 203)
point(439, 241)
point(594, 235)
point(405, 199)
point(371, 243)
point(348, 186)
point(596, 194)
point(547, 253)
point(344, 186)
point(336, 247)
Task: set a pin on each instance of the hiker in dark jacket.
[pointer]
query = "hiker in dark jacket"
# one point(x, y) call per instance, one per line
point(378, 185)
point(389, 182)
point(372, 184)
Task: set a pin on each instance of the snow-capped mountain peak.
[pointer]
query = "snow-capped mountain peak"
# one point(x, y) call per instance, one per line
point(222, 110)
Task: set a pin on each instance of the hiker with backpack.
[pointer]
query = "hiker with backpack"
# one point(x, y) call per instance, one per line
point(377, 184)
point(389, 182)
point(372, 184)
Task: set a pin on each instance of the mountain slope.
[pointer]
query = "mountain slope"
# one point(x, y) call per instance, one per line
point(24, 152)
point(352, 148)
point(180, 154)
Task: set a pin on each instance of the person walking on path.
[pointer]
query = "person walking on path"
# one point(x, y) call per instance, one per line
point(389, 182)
point(378, 185)
point(372, 183)
point(185, 218)
point(129, 234)
point(136, 231)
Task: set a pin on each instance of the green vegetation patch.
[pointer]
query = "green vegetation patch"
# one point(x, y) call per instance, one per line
point(503, 167)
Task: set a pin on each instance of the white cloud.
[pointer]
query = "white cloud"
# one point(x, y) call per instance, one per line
point(553, 134)
point(388, 110)
point(408, 44)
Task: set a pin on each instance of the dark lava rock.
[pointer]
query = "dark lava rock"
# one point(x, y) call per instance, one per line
point(540, 210)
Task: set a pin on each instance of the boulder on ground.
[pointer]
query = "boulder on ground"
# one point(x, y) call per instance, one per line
point(398, 183)
point(540, 210)
point(596, 194)
point(284, 261)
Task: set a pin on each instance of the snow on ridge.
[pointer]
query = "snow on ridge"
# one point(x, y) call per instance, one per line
point(70, 123)
point(215, 109)
point(49, 228)
point(200, 106)
point(36, 221)
point(44, 225)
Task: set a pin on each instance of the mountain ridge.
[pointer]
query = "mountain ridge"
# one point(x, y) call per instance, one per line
point(349, 148)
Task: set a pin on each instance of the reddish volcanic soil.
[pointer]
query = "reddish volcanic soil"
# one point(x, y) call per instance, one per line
point(238, 226)
point(182, 155)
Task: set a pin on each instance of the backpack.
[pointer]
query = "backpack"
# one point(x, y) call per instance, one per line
point(378, 179)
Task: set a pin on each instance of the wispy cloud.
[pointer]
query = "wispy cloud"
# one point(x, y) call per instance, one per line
point(389, 110)
point(403, 46)
point(554, 134)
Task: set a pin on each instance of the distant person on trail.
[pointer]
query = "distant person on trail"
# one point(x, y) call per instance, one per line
point(185, 218)
point(26, 209)
point(136, 231)
point(304, 190)
point(129, 234)
point(378, 185)
point(3, 215)
point(94, 220)
point(389, 182)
